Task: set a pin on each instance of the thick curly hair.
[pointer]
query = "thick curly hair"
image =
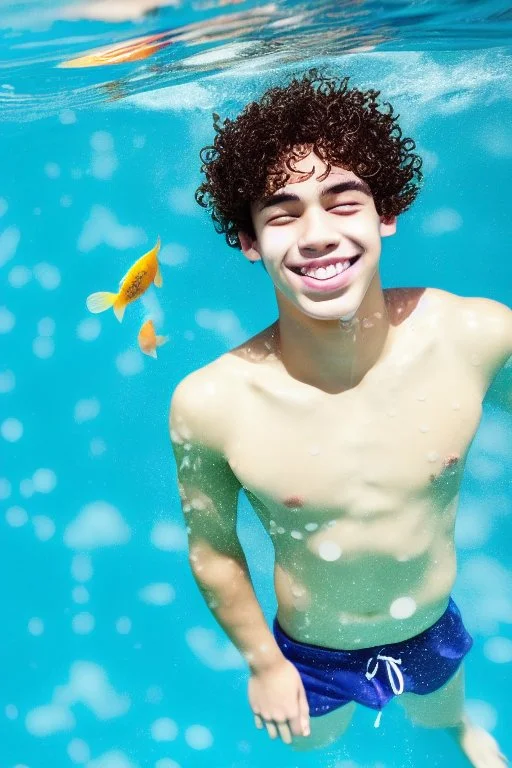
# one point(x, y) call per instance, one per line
point(343, 126)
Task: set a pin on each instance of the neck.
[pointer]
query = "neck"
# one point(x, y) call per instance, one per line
point(334, 355)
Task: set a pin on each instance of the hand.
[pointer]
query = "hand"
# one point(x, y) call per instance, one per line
point(278, 701)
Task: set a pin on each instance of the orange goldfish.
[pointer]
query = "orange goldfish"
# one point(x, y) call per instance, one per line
point(131, 50)
point(148, 340)
point(136, 282)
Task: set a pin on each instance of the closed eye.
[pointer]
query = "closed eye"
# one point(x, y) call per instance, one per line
point(330, 210)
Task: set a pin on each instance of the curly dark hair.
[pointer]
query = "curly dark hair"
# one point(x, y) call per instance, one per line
point(342, 126)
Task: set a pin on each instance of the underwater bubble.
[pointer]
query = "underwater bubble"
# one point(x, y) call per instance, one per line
point(43, 348)
point(78, 751)
point(81, 567)
point(52, 170)
point(9, 240)
point(169, 537)
point(44, 527)
point(35, 627)
point(7, 320)
point(498, 650)
point(89, 329)
point(16, 517)
point(101, 141)
point(67, 117)
point(83, 623)
point(166, 762)
point(47, 275)
point(80, 595)
point(198, 737)
point(329, 550)
point(5, 488)
point(129, 363)
point(86, 410)
point(98, 524)
point(44, 480)
point(11, 712)
point(482, 713)
point(139, 142)
point(97, 446)
point(27, 488)
point(402, 608)
point(124, 625)
point(46, 326)
point(7, 382)
point(49, 719)
point(311, 526)
point(296, 535)
point(19, 276)
point(164, 729)
point(173, 254)
point(157, 594)
point(441, 221)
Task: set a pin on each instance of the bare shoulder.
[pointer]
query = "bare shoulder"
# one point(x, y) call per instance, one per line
point(480, 328)
point(203, 404)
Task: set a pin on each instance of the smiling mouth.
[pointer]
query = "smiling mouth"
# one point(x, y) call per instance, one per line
point(298, 270)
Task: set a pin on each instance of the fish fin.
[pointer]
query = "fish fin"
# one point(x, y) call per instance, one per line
point(161, 340)
point(119, 308)
point(158, 278)
point(152, 353)
point(100, 301)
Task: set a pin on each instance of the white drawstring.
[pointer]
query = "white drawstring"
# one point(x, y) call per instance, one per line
point(391, 666)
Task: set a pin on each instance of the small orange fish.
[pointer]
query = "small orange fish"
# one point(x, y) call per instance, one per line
point(148, 340)
point(136, 282)
point(131, 50)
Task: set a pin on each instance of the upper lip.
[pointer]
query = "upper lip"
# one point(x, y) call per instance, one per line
point(319, 262)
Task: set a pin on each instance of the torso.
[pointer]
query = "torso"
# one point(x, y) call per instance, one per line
point(358, 490)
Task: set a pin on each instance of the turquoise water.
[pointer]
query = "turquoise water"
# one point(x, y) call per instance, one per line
point(109, 656)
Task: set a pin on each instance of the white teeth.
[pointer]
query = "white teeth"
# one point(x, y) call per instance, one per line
point(324, 273)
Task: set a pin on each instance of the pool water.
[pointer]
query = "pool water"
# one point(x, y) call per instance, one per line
point(109, 656)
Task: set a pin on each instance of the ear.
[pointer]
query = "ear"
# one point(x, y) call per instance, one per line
point(387, 225)
point(249, 247)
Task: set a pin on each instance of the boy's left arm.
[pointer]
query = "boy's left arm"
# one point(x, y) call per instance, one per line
point(485, 328)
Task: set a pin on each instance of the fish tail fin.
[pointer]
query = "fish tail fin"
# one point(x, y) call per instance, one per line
point(152, 353)
point(100, 301)
point(119, 308)
point(161, 340)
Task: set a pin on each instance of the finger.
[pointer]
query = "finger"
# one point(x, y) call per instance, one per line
point(304, 713)
point(258, 722)
point(284, 732)
point(271, 729)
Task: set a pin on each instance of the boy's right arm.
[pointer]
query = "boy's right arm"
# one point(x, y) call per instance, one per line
point(209, 495)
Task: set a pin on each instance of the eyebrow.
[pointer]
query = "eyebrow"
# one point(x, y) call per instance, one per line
point(344, 186)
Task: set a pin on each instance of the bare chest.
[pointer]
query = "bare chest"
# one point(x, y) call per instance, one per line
point(402, 435)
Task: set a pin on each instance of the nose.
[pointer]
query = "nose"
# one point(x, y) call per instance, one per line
point(317, 234)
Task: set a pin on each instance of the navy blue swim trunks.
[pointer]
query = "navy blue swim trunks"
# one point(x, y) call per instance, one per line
point(372, 676)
